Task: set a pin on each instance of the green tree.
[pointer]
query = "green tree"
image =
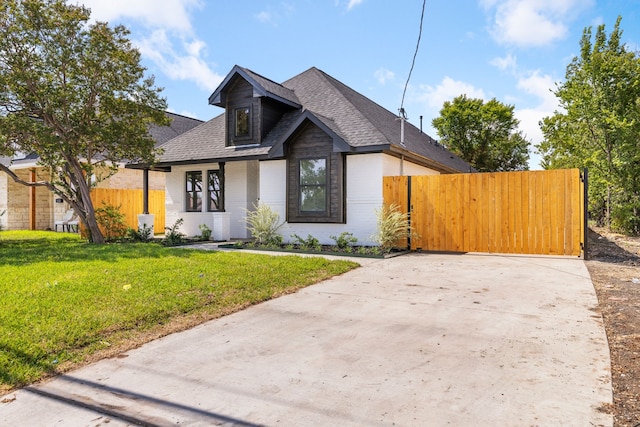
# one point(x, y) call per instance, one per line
point(483, 134)
point(75, 94)
point(598, 126)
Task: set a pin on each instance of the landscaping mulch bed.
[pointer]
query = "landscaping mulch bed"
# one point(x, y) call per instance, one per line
point(614, 265)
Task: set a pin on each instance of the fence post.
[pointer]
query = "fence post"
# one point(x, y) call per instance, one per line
point(585, 207)
point(409, 209)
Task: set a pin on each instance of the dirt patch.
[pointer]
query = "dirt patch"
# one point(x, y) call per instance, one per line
point(614, 265)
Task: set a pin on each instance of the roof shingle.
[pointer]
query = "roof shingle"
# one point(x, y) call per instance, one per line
point(362, 123)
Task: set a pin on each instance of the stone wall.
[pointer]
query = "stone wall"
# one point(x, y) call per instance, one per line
point(3, 200)
point(132, 179)
point(17, 216)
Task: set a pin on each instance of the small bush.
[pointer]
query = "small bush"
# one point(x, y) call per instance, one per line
point(112, 221)
point(392, 225)
point(206, 231)
point(345, 240)
point(143, 234)
point(625, 218)
point(263, 223)
point(308, 244)
point(173, 237)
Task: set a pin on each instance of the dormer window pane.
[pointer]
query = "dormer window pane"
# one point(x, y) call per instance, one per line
point(243, 122)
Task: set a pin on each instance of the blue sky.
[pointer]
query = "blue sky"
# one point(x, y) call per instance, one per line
point(511, 50)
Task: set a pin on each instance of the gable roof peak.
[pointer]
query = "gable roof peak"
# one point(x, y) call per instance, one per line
point(262, 86)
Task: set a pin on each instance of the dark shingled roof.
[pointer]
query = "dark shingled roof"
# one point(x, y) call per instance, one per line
point(179, 125)
point(364, 125)
point(161, 134)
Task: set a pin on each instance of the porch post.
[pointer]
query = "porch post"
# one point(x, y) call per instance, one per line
point(145, 219)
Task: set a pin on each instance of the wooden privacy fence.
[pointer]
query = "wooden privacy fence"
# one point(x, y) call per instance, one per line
point(130, 203)
point(533, 212)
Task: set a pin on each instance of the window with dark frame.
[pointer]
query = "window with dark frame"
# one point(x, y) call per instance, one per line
point(313, 185)
point(215, 194)
point(243, 122)
point(194, 191)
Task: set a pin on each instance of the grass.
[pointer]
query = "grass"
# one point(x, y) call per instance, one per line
point(64, 301)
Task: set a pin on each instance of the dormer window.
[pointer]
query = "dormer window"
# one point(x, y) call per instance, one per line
point(243, 122)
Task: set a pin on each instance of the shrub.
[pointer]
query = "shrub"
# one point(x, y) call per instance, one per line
point(625, 218)
point(344, 240)
point(173, 236)
point(392, 225)
point(206, 231)
point(143, 234)
point(263, 223)
point(112, 221)
point(308, 244)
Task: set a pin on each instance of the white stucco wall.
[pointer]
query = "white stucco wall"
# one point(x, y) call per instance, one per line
point(241, 192)
point(394, 166)
point(246, 181)
point(363, 195)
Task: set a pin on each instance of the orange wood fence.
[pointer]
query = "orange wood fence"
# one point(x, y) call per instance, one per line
point(532, 212)
point(130, 203)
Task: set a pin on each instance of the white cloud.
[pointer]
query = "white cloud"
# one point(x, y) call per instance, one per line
point(383, 75)
point(353, 3)
point(265, 17)
point(540, 86)
point(508, 63)
point(170, 14)
point(435, 97)
point(166, 35)
point(186, 64)
point(532, 22)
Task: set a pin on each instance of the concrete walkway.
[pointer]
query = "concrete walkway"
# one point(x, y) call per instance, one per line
point(416, 340)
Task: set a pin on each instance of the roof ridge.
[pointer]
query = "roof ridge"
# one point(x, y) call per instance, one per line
point(332, 81)
point(262, 77)
point(182, 115)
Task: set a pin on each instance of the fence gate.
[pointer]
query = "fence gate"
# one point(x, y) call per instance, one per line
point(531, 212)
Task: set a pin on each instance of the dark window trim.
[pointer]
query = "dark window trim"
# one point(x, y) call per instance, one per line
point(327, 189)
point(220, 173)
point(236, 136)
point(192, 195)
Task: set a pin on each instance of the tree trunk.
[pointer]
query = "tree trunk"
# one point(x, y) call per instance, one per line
point(83, 196)
point(95, 235)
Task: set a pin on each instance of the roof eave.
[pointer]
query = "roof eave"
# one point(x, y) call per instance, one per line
point(425, 161)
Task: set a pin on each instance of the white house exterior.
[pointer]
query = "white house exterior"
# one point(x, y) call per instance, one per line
point(311, 148)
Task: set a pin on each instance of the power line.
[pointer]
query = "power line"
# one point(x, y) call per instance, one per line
point(413, 63)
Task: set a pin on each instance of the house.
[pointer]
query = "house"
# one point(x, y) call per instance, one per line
point(38, 208)
point(311, 148)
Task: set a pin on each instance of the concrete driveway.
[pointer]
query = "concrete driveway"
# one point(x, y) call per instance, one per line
point(416, 340)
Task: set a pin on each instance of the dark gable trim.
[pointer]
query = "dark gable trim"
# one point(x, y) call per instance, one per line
point(312, 142)
point(217, 98)
point(339, 144)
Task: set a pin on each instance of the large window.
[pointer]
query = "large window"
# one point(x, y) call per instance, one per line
point(215, 189)
point(243, 122)
point(194, 191)
point(313, 185)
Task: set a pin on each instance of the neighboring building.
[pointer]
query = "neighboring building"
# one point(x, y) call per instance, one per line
point(39, 208)
point(312, 148)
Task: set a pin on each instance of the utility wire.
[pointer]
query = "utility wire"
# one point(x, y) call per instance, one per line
point(413, 63)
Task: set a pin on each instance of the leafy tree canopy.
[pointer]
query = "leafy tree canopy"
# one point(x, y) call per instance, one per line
point(75, 94)
point(598, 126)
point(483, 133)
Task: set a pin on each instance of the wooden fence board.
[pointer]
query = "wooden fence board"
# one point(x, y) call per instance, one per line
point(538, 212)
point(130, 203)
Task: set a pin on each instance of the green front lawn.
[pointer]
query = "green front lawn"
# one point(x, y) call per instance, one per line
point(64, 300)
